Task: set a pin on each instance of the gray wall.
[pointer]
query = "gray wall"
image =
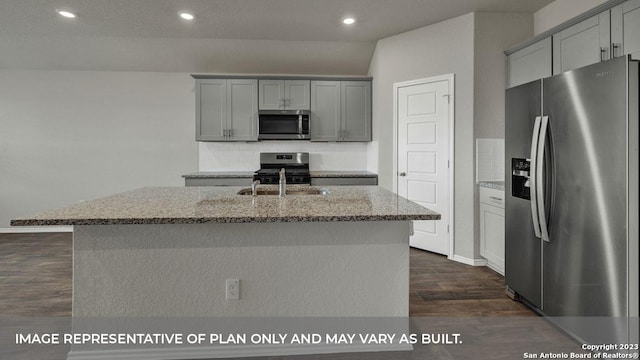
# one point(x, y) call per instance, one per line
point(471, 47)
point(494, 32)
point(438, 49)
point(68, 136)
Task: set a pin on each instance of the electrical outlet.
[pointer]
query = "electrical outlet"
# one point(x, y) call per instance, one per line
point(233, 289)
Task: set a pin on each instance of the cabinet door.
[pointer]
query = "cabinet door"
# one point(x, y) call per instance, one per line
point(529, 64)
point(211, 109)
point(582, 44)
point(271, 95)
point(492, 236)
point(325, 110)
point(356, 111)
point(242, 104)
point(296, 94)
point(625, 29)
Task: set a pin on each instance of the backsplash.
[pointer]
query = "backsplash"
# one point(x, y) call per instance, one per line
point(241, 156)
point(489, 160)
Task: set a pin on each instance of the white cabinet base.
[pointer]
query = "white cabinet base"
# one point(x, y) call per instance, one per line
point(492, 228)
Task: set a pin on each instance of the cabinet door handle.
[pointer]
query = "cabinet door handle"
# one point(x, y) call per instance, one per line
point(616, 47)
point(403, 174)
point(495, 198)
point(224, 132)
point(603, 53)
point(230, 132)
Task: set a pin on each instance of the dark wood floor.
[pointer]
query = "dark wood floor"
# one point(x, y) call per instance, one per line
point(441, 287)
point(35, 274)
point(36, 270)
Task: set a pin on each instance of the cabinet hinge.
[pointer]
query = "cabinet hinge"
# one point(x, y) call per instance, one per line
point(448, 164)
point(447, 228)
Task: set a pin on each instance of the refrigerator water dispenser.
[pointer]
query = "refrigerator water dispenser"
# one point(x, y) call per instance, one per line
point(520, 178)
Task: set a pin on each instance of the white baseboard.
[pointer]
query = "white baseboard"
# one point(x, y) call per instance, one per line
point(35, 229)
point(231, 351)
point(493, 267)
point(467, 261)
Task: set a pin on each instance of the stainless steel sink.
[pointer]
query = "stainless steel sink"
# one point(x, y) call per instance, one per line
point(292, 191)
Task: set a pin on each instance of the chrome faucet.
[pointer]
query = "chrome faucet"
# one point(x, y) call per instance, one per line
point(254, 188)
point(282, 189)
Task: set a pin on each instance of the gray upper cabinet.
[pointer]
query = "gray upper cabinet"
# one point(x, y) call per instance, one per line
point(530, 63)
point(226, 110)
point(325, 110)
point(340, 111)
point(242, 102)
point(625, 29)
point(211, 109)
point(584, 43)
point(356, 111)
point(284, 94)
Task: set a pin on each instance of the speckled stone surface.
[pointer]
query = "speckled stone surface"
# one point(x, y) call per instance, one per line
point(219, 175)
point(498, 185)
point(195, 205)
point(249, 174)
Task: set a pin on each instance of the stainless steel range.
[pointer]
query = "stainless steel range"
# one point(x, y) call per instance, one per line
point(296, 167)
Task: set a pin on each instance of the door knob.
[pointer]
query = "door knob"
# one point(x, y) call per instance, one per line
point(403, 174)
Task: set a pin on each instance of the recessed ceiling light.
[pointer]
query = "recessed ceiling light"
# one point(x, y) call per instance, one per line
point(187, 16)
point(67, 14)
point(349, 21)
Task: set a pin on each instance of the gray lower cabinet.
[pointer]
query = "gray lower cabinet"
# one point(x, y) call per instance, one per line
point(342, 181)
point(625, 29)
point(226, 110)
point(284, 94)
point(340, 111)
point(582, 44)
point(529, 64)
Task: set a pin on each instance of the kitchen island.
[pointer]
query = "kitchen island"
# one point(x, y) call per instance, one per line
point(168, 252)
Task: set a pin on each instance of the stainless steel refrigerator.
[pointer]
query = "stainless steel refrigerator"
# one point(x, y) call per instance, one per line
point(571, 148)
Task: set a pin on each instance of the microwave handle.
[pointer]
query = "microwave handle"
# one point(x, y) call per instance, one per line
point(300, 124)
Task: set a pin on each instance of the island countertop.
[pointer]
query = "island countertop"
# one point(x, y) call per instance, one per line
point(195, 205)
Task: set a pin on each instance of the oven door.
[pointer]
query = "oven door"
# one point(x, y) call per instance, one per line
point(274, 125)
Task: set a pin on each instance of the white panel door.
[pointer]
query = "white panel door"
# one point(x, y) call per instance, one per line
point(423, 154)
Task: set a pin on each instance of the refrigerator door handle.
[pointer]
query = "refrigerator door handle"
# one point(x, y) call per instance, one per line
point(542, 216)
point(532, 178)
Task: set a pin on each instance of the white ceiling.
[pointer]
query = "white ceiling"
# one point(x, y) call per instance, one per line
point(262, 36)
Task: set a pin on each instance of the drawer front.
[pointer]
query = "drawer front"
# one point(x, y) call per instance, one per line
point(492, 197)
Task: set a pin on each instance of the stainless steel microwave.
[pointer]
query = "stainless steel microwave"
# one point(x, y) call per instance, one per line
point(283, 125)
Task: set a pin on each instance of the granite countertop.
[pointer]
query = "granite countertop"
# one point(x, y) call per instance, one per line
point(498, 185)
point(249, 174)
point(194, 205)
point(218, 174)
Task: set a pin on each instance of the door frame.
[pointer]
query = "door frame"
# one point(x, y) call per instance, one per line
point(396, 87)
